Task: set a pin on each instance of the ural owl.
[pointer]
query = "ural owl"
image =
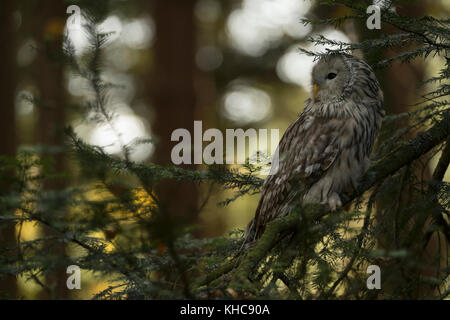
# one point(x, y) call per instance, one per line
point(326, 150)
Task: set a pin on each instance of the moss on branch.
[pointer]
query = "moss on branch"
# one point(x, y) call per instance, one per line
point(243, 268)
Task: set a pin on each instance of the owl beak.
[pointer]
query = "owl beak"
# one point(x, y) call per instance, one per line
point(315, 90)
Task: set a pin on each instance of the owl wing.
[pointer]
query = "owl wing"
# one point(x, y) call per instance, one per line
point(306, 150)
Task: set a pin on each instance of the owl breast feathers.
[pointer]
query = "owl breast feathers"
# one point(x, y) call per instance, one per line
point(326, 150)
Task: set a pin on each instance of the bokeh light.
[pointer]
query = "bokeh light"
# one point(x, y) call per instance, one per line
point(244, 104)
point(126, 129)
point(24, 103)
point(260, 24)
point(295, 67)
point(138, 33)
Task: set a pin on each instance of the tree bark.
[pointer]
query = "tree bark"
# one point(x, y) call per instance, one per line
point(174, 98)
point(48, 72)
point(8, 82)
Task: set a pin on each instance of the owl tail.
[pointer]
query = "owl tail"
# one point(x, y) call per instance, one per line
point(250, 232)
point(249, 238)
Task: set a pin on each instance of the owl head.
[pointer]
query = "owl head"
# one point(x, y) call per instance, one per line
point(339, 76)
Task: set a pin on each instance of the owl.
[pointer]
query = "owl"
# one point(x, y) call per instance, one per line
point(326, 150)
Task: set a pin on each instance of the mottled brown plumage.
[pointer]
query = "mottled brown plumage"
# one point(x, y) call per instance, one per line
point(326, 150)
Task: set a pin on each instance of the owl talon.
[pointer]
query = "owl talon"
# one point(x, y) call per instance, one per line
point(334, 201)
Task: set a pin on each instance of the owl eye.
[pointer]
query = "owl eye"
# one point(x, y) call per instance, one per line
point(331, 75)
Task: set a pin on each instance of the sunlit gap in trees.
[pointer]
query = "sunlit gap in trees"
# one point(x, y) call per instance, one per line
point(126, 37)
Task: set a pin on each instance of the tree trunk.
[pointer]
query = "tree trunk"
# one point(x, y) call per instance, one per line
point(174, 98)
point(8, 82)
point(48, 73)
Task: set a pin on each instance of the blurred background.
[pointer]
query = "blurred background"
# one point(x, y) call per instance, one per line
point(229, 63)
